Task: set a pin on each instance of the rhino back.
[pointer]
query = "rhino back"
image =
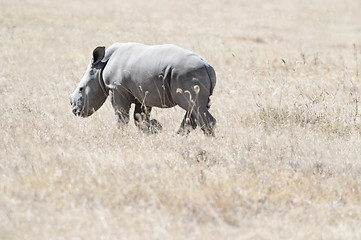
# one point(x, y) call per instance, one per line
point(141, 68)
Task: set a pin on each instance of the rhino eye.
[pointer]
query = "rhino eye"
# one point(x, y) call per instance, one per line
point(80, 89)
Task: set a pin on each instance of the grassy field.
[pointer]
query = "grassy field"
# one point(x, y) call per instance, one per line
point(286, 159)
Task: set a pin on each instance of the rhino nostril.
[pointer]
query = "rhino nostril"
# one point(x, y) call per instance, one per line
point(74, 110)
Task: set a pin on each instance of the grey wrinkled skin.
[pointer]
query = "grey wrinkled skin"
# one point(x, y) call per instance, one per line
point(148, 76)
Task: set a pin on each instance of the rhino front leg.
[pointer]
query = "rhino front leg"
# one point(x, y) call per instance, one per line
point(121, 119)
point(121, 106)
point(142, 119)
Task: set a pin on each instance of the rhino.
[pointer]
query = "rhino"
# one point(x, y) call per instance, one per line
point(148, 76)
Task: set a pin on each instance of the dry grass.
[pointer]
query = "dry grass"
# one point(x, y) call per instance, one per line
point(286, 161)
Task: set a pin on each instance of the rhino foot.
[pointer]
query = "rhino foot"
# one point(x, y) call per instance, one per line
point(155, 126)
point(190, 121)
point(150, 127)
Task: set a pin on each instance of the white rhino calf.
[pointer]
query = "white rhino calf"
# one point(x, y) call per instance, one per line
point(149, 76)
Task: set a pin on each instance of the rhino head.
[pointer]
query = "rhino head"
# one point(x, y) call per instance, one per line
point(90, 94)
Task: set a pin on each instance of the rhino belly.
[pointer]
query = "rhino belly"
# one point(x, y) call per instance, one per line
point(153, 93)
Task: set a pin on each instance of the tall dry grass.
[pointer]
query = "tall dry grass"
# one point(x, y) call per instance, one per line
point(286, 159)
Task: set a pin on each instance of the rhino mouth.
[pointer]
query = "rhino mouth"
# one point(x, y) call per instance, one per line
point(81, 110)
point(77, 107)
point(77, 112)
point(81, 113)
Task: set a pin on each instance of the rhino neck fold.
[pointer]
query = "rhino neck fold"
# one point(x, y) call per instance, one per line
point(101, 82)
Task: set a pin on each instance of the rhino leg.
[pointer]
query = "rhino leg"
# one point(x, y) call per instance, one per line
point(201, 118)
point(142, 119)
point(193, 96)
point(187, 125)
point(207, 122)
point(121, 106)
point(121, 119)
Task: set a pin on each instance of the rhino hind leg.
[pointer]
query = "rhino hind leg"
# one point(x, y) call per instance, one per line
point(142, 119)
point(196, 118)
point(196, 103)
point(187, 125)
point(191, 91)
point(207, 122)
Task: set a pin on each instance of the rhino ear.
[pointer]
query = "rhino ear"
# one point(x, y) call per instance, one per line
point(98, 54)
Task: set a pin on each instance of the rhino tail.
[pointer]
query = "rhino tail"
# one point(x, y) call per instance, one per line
point(212, 78)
